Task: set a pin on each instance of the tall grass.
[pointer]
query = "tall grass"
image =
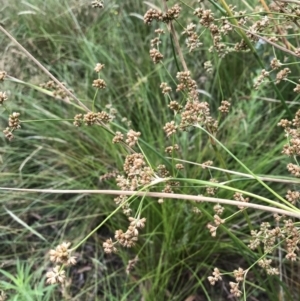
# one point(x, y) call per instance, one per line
point(176, 251)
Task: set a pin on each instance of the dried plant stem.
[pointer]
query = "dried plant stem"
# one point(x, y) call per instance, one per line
point(290, 1)
point(43, 68)
point(262, 178)
point(160, 195)
point(284, 40)
point(176, 42)
point(269, 42)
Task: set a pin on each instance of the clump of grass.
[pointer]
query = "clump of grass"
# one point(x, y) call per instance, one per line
point(161, 150)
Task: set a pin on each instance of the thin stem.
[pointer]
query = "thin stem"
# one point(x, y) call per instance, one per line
point(43, 68)
point(163, 195)
point(176, 42)
point(248, 42)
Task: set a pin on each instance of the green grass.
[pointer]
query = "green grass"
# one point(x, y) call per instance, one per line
point(176, 251)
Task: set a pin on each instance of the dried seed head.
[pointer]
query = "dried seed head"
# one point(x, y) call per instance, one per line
point(137, 222)
point(61, 254)
point(156, 56)
point(118, 137)
point(219, 209)
point(8, 134)
point(132, 137)
point(99, 67)
point(239, 274)
point(131, 264)
point(159, 31)
point(208, 67)
point(78, 119)
point(216, 276)
point(239, 197)
point(170, 128)
point(165, 88)
point(109, 247)
point(175, 106)
point(275, 64)
point(13, 121)
point(225, 105)
point(57, 275)
point(3, 97)
point(2, 75)
point(212, 229)
point(171, 149)
point(97, 4)
point(99, 83)
point(282, 75)
point(179, 166)
point(151, 15)
point(235, 289)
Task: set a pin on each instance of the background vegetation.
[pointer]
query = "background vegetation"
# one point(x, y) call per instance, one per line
point(176, 251)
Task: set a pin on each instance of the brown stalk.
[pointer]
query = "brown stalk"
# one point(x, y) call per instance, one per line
point(284, 40)
point(162, 195)
point(176, 42)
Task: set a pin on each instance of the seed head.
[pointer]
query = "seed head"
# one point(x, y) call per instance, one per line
point(57, 275)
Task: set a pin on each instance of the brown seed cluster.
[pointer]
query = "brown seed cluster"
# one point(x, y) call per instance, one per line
point(131, 264)
point(61, 255)
point(292, 148)
point(261, 78)
point(216, 276)
point(208, 67)
point(224, 108)
point(165, 88)
point(132, 137)
point(206, 16)
point(119, 137)
point(99, 67)
point(2, 75)
point(171, 149)
point(275, 64)
point(97, 4)
point(91, 118)
point(192, 41)
point(196, 112)
point(239, 197)
point(126, 239)
point(170, 128)
point(282, 75)
point(99, 83)
point(185, 81)
point(175, 106)
point(153, 14)
point(266, 265)
point(57, 91)
point(3, 97)
point(293, 196)
point(234, 289)
point(268, 237)
point(156, 56)
point(137, 173)
point(13, 124)
point(257, 28)
point(211, 190)
point(56, 275)
point(14, 121)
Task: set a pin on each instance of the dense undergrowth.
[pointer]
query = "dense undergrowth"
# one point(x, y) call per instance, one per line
point(176, 252)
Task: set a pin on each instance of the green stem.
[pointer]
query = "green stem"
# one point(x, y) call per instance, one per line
point(249, 44)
